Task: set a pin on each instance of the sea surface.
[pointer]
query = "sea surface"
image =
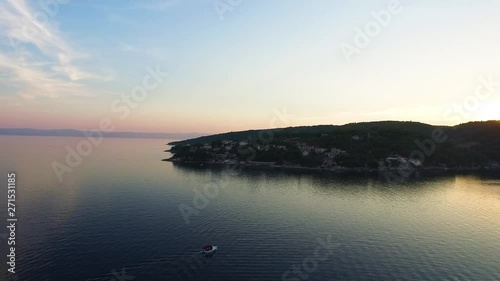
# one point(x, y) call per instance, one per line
point(116, 215)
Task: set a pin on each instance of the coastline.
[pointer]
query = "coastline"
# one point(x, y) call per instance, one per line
point(272, 166)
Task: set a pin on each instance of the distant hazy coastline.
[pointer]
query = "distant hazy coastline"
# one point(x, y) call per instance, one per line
point(81, 133)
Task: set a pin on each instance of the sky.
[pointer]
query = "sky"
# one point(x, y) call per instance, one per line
point(215, 66)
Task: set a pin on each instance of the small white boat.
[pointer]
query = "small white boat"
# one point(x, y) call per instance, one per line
point(209, 249)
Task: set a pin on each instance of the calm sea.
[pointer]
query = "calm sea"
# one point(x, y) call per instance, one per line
point(116, 216)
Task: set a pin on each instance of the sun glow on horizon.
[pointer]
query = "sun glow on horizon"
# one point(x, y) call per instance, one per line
point(489, 111)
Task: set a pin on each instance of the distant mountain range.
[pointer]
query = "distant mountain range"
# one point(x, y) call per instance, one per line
point(79, 133)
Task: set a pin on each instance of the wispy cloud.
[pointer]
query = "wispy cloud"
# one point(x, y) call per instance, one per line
point(38, 60)
point(34, 79)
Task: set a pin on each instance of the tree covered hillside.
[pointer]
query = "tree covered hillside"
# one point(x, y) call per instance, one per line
point(370, 144)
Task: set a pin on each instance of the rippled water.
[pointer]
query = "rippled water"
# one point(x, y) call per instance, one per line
point(116, 217)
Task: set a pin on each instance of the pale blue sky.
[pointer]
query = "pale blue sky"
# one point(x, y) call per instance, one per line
point(232, 70)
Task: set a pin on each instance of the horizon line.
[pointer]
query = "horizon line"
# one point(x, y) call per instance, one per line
point(3, 130)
